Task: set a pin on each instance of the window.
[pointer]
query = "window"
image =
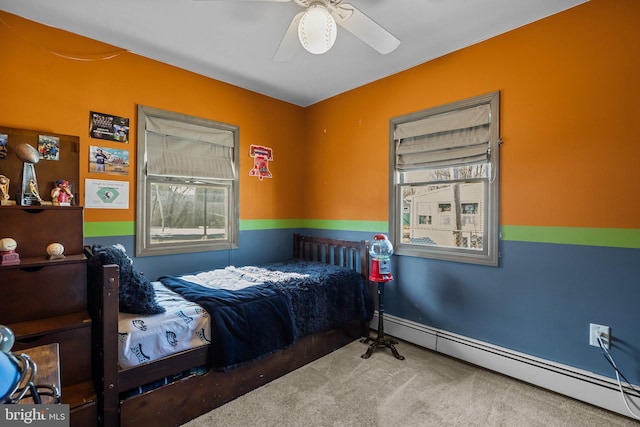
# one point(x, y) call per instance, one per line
point(444, 167)
point(187, 197)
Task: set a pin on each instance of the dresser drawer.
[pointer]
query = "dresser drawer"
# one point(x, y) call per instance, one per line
point(34, 228)
point(44, 291)
point(74, 349)
point(84, 415)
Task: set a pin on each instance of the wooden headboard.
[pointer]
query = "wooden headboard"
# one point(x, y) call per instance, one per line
point(345, 253)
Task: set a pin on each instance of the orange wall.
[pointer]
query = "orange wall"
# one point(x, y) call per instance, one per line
point(41, 90)
point(569, 90)
point(569, 112)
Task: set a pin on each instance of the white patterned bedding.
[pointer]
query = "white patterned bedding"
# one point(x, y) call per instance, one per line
point(142, 338)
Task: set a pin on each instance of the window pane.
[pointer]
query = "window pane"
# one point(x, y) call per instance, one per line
point(444, 215)
point(445, 174)
point(187, 213)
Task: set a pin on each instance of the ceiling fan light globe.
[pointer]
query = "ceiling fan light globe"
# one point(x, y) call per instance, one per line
point(317, 29)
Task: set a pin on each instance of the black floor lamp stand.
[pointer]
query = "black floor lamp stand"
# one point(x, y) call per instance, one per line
point(381, 341)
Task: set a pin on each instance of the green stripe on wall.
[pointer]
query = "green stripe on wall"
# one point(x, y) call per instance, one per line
point(611, 237)
point(127, 228)
point(367, 226)
point(268, 224)
point(112, 228)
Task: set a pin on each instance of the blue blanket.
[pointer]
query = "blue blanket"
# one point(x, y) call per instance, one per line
point(285, 301)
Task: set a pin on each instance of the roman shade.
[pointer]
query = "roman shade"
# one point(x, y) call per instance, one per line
point(188, 150)
point(452, 138)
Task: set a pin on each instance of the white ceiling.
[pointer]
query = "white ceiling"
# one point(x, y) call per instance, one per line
point(234, 41)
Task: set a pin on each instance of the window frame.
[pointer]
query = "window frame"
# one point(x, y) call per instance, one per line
point(492, 200)
point(144, 247)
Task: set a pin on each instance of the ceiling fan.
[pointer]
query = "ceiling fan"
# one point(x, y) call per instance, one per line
point(315, 28)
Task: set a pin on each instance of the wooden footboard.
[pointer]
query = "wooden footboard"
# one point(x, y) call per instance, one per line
point(183, 400)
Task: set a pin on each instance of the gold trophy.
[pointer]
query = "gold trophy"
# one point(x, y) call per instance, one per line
point(4, 192)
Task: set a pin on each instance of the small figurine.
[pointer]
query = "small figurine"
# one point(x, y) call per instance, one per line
point(61, 195)
point(4, 191)
point(33, 189)
point(55, 251)
point(8, 252)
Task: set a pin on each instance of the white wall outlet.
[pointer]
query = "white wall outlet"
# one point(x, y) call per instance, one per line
point(605, 334)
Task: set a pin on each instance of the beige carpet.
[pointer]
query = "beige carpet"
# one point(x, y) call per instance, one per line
point(426, 389)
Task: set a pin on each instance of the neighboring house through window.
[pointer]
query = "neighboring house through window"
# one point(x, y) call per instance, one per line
point(444, 183)
point(187, 192)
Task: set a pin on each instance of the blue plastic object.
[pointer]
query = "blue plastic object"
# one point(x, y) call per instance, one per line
point(9, 375)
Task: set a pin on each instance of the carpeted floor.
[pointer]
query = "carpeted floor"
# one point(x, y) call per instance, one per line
point(425, 389)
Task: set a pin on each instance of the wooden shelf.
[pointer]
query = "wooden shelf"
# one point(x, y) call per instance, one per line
point(34, 262)
point(79, 394)
point(35, 209)
point(38, 327)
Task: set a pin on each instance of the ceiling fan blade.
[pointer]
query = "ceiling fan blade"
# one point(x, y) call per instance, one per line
point(290, 43)
point(363, 27)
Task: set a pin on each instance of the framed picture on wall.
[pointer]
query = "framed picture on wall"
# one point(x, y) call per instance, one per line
point(4, 141)
point(109, 161)
point(106, 194)
point(106, 126)
point(49, 147)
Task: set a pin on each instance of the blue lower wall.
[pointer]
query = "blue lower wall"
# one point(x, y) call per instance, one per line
point(539, 301)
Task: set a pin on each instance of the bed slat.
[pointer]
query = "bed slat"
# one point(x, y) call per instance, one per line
point(345, 253)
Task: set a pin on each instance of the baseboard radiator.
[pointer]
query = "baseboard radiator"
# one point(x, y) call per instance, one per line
point(581, 385)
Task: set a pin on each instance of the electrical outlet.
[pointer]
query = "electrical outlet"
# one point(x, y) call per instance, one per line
point(605, 334)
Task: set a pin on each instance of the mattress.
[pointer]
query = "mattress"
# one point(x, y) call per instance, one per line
point(257, 310)
point(143, 338)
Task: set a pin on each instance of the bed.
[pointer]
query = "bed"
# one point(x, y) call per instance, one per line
point(288, 330)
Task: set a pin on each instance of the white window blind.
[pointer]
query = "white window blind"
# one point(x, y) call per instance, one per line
point(188, 150)
point(451, 138)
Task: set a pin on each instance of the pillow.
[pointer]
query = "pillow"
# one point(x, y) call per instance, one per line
point(136, 294)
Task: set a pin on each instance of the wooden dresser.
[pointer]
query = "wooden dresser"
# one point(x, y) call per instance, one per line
point(45, 301)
